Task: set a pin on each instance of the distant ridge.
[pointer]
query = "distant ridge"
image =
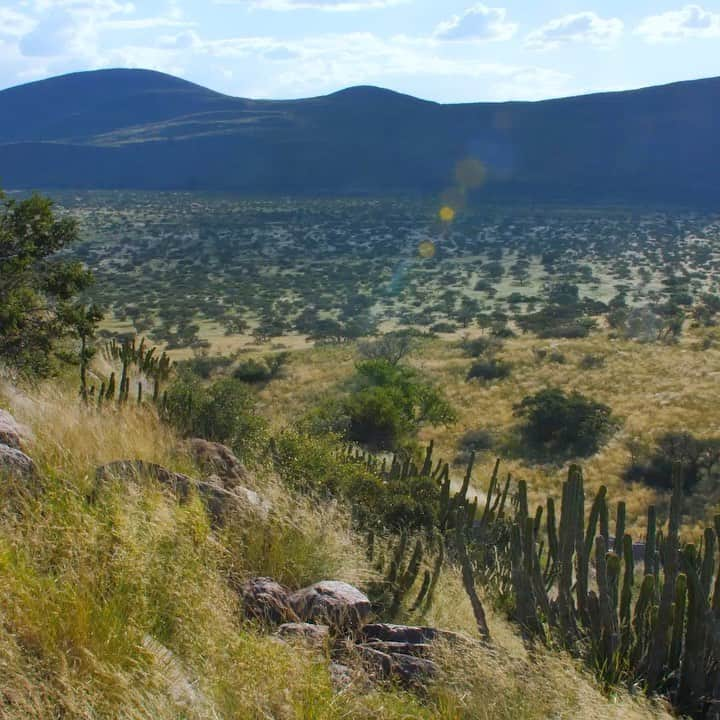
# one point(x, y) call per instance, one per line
point(147, 130)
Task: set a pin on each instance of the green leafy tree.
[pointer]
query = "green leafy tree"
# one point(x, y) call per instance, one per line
point(38, 289)
point(565, 423)
point(391, 403)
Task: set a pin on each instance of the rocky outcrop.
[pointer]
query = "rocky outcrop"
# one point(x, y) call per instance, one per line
point(16, 464)
point(215, 459)
point(267, 601)
point(313, 635)
point(12, 433)
point(219, 501)
point(406, 634)
point(337, 604)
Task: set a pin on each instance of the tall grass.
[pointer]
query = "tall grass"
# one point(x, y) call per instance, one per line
point(123, 606)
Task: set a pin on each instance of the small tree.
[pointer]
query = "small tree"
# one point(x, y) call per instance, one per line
point(37, 290)
point(563, 423)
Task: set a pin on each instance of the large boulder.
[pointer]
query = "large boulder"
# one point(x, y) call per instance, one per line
point(337, 604)
point(12, 433)
point(218, 460)
point(16, 464)
point(410, 670)
point(268, 601)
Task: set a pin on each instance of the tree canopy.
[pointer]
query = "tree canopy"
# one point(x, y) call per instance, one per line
point(38, 288)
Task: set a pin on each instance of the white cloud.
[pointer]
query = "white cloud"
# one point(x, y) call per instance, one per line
point(478, 22)
point(329, 62)
point(692, 21)
point(584, 27)
point(14, 24)
point(325, 5)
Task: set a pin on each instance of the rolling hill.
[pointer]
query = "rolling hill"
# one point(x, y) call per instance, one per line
point(146, 130)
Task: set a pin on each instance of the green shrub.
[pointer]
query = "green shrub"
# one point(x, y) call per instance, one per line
point(389, 405)
point(317, 466)
point(563, 423)
point(222, 412)
point(696, 458)
point(261, 370)
point(488, 370)
point(481, 347)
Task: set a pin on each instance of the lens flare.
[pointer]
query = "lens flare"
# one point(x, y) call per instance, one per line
point(426, 249)
point(470, 173)
point(447, 214)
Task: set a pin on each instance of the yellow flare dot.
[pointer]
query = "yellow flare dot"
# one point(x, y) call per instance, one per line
point(447, 214)
point(426, 249)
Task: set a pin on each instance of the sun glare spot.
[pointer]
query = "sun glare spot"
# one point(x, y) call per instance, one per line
point(470, 173)
point(447, 214)
point(426, 249)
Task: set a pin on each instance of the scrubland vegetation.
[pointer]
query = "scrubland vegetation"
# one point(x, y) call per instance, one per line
point(542, 340)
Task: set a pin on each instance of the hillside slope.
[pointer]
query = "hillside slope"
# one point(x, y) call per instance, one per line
point(146, 130)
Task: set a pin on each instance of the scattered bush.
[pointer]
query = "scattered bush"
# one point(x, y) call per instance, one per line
point(562, 423)
point(488, 370)
point(591, 361)
point(392, 346)
point(481, 346)
point(443, 327)
point(696, 458)
point(317, 465)
point(222, 412)
point(261, 370)
point(390, 404)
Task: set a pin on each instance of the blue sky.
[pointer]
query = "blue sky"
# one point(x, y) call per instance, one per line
point(444, 50)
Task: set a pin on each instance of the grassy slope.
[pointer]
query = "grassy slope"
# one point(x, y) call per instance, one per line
point(93, 595)
point(652, 388)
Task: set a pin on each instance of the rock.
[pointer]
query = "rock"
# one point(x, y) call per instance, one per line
point(139, 470)
point(218, 500)
point(218, 460)
point(12, 433)
point(267, 601)
point(316, 635)
point(410, 634)
point(16, 463)
point(417, 649)
point(413, 670)
point(337, 604)
point(341, 676)
point(239, 496)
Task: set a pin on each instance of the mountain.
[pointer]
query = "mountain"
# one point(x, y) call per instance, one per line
point(147, 130)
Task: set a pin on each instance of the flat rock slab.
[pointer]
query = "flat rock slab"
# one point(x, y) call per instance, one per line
point(267, 601)
point(408, 669)
point(417, 649)
point(316, 635)
point(337, 604)
point(17, 464)
point(410, 634)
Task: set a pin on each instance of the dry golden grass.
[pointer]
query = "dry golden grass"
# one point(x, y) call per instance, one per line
point(121, 608)
point(652, 388)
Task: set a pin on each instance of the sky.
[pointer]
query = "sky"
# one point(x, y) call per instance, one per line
point(442, 50)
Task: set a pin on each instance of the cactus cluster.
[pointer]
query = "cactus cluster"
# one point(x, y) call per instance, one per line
point(131, 354)
point(663, 635)
point(647, 616)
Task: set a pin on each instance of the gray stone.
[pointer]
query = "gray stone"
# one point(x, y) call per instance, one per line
point(267, 601)
point(218, 460)
point(12, 433)
point(337, 604)
point(386, 632)
point(341, 676)
point(17, 464)
point(316, 635)
point(218, 500)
